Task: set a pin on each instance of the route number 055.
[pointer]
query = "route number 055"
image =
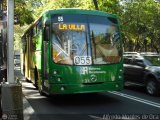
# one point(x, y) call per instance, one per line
point(82, 60)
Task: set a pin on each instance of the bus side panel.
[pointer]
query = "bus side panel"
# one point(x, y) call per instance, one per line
point(32, 66)
point(22, 61)
point(26, 56)
point(35, 56)
point(38, 55)
point(31, 56)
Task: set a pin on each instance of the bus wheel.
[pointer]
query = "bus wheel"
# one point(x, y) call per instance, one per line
point(23, 70)
point(40, 88)
point(151, 87)
point(27, 80)
point(36, 78)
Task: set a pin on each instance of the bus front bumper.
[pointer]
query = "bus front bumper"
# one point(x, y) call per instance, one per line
point(82, 88)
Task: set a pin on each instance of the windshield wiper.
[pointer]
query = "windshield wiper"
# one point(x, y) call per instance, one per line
point(85, 46)
point(57, 38)
point(93, 39)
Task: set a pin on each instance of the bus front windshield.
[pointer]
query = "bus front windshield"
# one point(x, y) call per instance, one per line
point(89, 40)
point(69, 43)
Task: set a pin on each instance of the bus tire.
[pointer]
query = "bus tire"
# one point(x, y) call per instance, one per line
point(27, 80)
point(23, 70)
point(40, 89)
point(36, 78)
point(38, 83)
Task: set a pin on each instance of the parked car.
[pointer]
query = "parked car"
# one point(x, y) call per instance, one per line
point(143, 69)
point(17, 60)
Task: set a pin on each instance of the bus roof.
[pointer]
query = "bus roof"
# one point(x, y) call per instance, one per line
point(78, 11)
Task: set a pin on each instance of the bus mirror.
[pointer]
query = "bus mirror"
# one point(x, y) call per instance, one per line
point(47, 23)
point(46, 33)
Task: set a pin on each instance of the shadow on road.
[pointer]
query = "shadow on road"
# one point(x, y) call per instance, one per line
point(136, 88)
point(82, 99)
point(140, 91)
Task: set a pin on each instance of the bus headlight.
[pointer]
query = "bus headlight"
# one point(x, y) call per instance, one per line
point(117, 85)
point(120, 74)
point(120, 77)
point(59, 79)
point(54, 72)
point(62, 88)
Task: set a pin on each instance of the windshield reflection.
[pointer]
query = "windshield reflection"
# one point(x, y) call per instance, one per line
point(90, 40)
point(67, 44)
point(105, 44)
point(153, 60)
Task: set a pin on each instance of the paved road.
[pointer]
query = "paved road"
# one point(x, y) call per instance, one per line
point(132, 102)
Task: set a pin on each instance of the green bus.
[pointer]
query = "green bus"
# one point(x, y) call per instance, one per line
point(68, 51)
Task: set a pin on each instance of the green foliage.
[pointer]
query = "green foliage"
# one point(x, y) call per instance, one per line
point(140, 19)
point(110, 6)
point(56, 4)
point(68, 3)
point(22, 13)
point(19, 30)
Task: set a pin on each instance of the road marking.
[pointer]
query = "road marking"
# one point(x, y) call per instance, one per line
point(131, 83)
point(136, 99)
point(95, 117)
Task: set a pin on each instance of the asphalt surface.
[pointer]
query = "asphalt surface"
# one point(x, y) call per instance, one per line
point(132, 102)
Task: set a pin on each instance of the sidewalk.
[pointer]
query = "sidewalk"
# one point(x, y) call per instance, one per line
point(28, 111)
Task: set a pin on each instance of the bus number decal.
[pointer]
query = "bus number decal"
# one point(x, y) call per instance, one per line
point(60, 18)
point(82, 60)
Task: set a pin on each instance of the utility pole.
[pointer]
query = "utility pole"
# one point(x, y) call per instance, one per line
point(10, 48)
point(12, 105)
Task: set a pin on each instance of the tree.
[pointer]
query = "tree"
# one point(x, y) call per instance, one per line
point(141, 25)
point(96, 4)
point(110, 6)
point(140, 19)
point(22, 13)
point(19, 30)
point(57, 4)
